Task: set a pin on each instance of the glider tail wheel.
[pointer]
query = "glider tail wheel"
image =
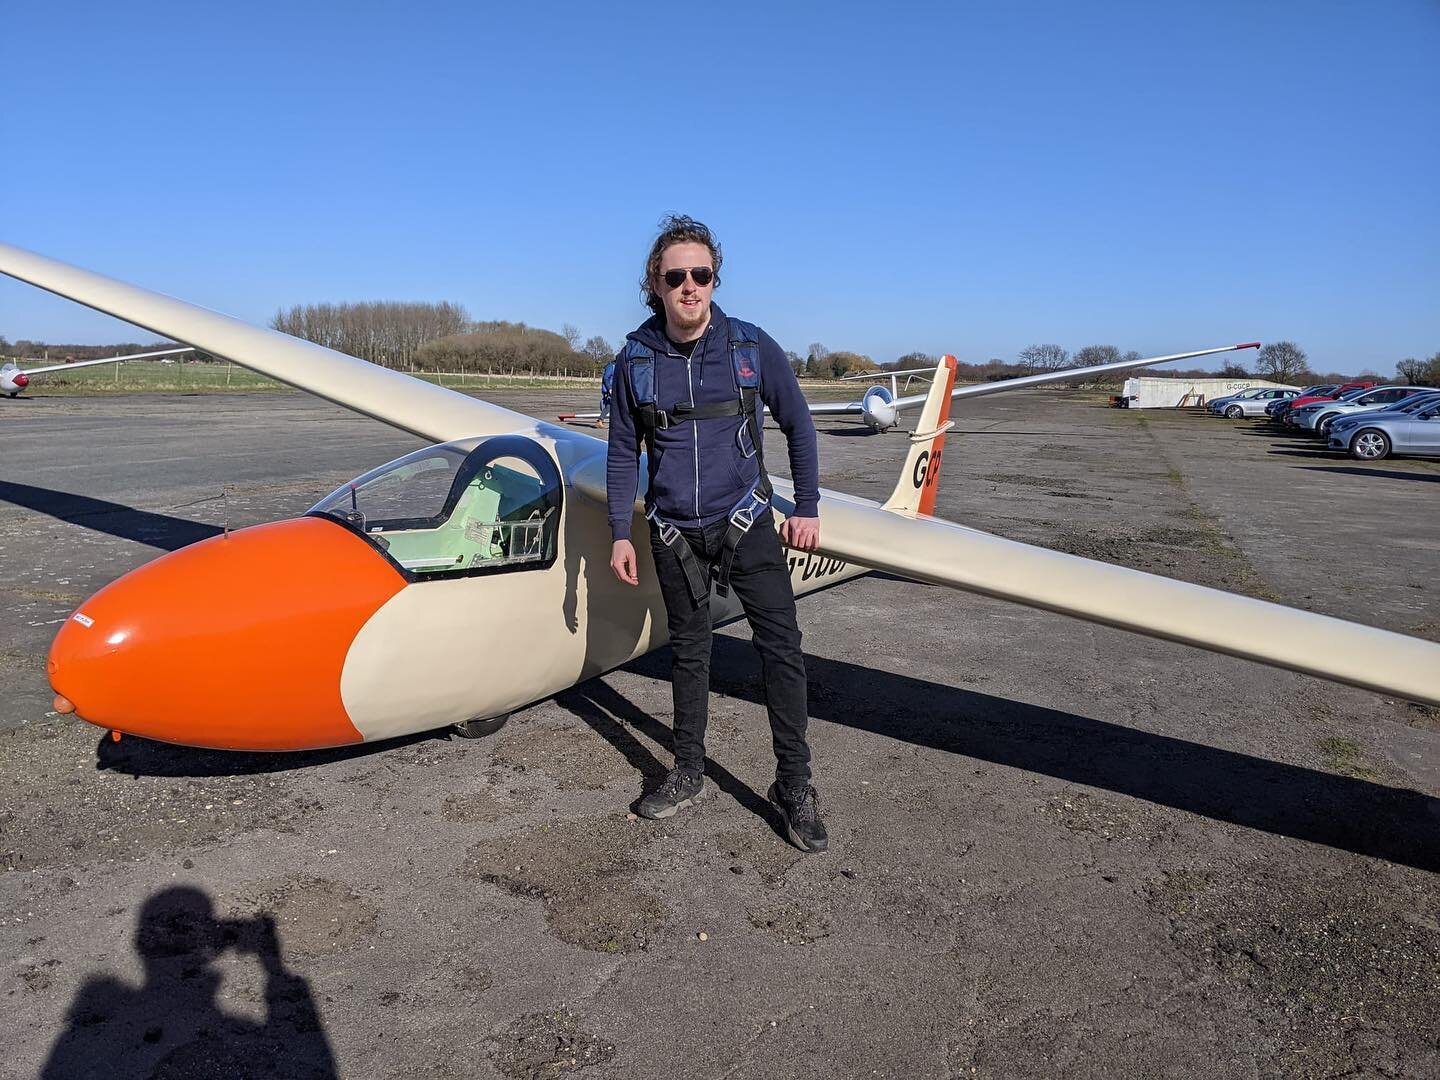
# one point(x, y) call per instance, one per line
point(478, 728)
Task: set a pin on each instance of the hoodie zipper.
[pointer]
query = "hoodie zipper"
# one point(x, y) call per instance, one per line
point(695, 428)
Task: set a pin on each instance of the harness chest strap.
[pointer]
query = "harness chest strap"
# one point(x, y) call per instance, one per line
point(639, 363)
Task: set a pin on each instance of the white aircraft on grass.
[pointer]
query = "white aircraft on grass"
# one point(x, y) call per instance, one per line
point(472, 577)
point(13, 379)
point(880, 408)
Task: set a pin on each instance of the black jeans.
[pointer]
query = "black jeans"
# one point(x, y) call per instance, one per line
point(760, 579)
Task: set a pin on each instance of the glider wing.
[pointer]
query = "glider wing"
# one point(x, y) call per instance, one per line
point(392, 397)
point(1001, 385)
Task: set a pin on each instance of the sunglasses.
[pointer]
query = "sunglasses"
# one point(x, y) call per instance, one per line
point(701, 275)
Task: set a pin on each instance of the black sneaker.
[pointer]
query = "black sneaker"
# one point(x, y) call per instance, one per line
point(799, 810)
point(679, 789)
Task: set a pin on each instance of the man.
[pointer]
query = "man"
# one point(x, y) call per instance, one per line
point(607, 387)
point(689, 384)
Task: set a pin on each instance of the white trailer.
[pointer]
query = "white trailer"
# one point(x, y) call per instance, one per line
point(1154, 392)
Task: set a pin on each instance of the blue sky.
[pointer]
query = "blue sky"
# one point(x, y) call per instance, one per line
point(967, 178)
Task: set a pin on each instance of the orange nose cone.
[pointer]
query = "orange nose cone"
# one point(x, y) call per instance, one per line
point(236, 642)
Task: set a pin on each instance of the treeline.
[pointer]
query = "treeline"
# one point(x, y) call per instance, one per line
point(1280, 361)
point(825, 363)
point(416, 336)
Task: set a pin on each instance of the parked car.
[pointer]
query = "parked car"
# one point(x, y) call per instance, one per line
point(1413, 431)
point(1345, 426)
point(1321, 415)
point(1217, 405)
point(1292, 418)
point(1256, 406)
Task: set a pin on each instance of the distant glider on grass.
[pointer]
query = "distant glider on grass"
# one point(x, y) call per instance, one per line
point(13, 378)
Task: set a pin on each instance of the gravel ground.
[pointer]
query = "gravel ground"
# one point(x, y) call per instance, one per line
point(1057, 849)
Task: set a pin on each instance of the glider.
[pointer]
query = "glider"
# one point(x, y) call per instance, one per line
point(13, 380)
point(471, 577)
point(880, 407)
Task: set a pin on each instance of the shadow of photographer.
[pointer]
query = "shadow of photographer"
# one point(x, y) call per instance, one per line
point(172, 1026)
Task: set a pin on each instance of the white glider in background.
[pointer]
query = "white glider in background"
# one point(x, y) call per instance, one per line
point(471, 578)
point(881, 406)
point(13, 379)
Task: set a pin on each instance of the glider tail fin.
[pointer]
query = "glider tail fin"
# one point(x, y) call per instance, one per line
point(915, 491)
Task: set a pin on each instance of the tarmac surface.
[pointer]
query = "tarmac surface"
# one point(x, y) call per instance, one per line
point(1057, 849)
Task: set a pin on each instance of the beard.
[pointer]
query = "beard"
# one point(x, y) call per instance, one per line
point(688, 319)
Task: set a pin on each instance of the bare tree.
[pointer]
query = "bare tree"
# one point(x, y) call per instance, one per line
point(796, 361)
point(815, 360)
point(1091, 355)
point(1044, 357)
point(571, 334)
point(1412, 371)
point(1233, 370)
point(1281, 361)
point(598, 351)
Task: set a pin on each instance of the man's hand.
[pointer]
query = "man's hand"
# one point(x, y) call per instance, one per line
point(622, 561)
point(802, 534)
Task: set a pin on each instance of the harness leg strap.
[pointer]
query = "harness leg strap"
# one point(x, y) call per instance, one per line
point(696, 578)
point(733, 535)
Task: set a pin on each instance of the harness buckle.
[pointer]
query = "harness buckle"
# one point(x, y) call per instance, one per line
point(668, 532)
point(743, 516)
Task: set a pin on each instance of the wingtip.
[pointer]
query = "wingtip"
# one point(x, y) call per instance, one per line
point(1249, 345)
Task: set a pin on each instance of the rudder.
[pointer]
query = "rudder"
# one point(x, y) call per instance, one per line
point(919, 481)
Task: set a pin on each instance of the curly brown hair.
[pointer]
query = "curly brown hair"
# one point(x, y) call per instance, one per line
point(675, 229)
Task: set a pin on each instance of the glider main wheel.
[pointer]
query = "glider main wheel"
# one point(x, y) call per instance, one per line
point(478, 729)
point(1370, 444)
point(1234, 412)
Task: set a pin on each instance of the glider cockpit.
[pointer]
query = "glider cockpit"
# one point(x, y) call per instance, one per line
point(476, 506)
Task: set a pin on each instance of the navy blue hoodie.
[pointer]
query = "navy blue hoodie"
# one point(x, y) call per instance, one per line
point(705, 466)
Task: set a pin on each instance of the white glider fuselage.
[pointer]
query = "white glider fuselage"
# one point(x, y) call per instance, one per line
point(378, 649)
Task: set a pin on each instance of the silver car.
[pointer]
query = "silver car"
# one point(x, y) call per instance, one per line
point(1255, 406)
point(1413, 430)
point(1217, 405)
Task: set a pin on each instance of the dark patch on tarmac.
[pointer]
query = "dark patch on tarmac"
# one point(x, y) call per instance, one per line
point(543, 1045)
point(582, 873)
